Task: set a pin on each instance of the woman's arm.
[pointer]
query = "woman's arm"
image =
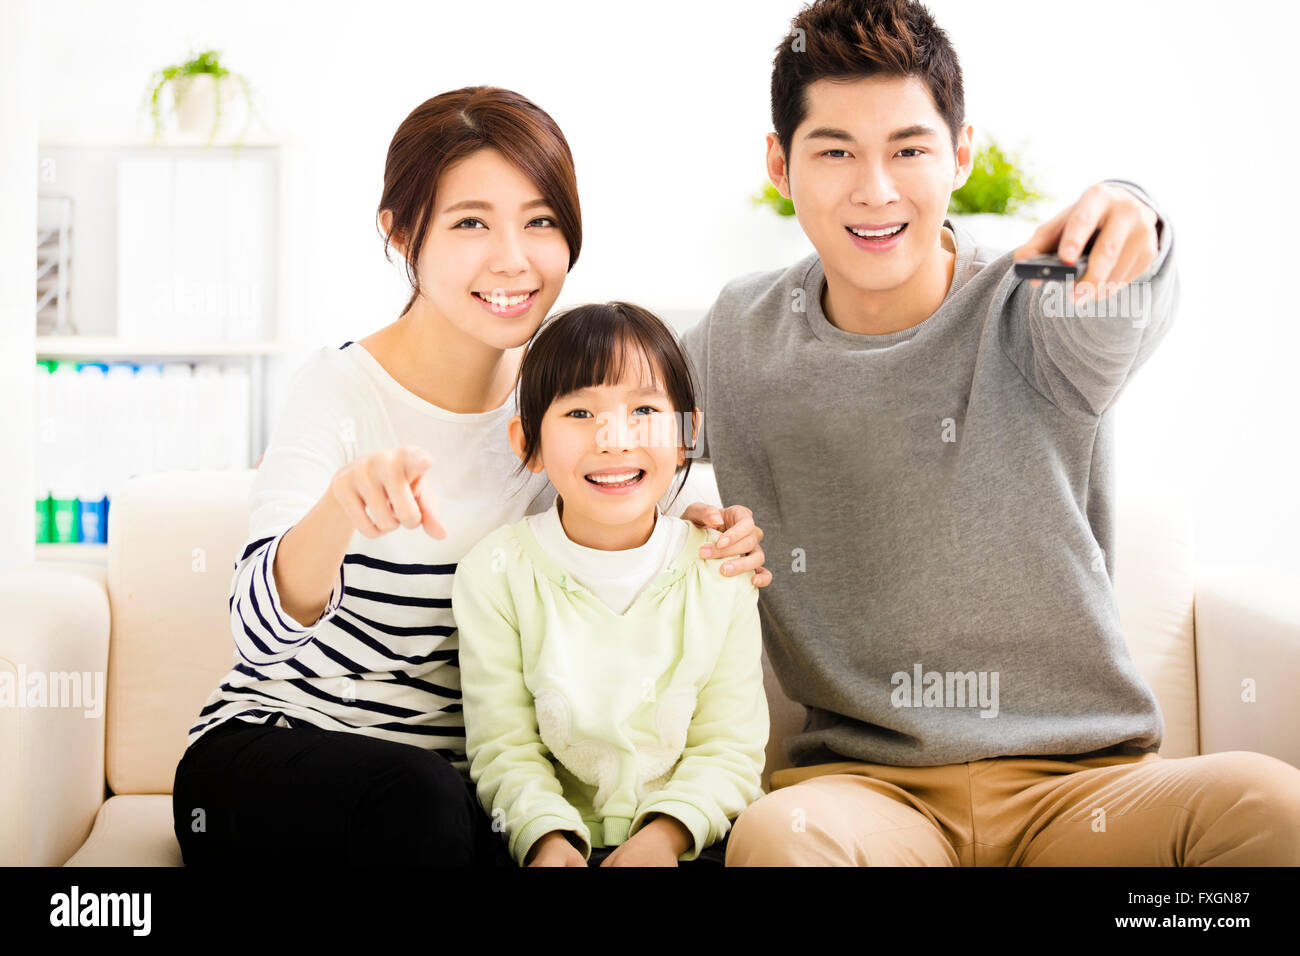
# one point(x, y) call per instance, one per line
point(289, 576)
point(308, 560)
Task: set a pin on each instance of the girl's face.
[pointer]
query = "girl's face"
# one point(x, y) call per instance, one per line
point(612, 432)
point(493, 259)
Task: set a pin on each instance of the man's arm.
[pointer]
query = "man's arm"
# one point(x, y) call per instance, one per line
point(1080, 355)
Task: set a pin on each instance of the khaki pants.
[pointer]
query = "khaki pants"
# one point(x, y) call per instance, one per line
point(1226, 809)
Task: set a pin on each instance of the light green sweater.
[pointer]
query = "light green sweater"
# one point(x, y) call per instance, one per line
point(583, 720)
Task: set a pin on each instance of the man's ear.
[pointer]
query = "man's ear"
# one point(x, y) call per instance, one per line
point(965, 156)
point(778, 170)
point(516, 432)
point(396, 240)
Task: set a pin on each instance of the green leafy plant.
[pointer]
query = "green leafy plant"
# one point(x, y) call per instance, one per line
point(771, 197)
point(181, 75)
point(996, 184)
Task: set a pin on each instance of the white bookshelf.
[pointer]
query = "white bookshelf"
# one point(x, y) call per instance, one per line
point(87, 170)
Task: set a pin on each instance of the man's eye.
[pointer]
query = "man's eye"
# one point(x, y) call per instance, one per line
point(912, 149)
point(829, 151)
point(464, 221)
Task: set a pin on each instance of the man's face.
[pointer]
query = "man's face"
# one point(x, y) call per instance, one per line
point(872, 152)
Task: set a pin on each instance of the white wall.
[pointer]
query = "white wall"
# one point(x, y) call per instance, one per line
point(666, 107)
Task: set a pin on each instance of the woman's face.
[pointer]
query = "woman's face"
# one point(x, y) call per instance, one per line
point(493, 259)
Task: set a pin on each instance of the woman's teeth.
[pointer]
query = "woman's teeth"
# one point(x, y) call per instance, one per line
point(617, 481)
point(503, 301)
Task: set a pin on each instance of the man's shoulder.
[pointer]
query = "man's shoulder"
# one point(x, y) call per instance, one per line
point(764, 290)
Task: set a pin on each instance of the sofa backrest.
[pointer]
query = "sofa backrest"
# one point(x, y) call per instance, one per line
point(174, 537)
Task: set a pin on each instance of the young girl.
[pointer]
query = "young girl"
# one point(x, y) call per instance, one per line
point(611, 678)
point(337, 737)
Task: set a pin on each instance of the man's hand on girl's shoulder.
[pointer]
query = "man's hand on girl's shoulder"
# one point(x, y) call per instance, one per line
point(739, 540)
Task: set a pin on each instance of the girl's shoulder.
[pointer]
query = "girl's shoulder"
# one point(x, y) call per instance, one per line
point(710, 569)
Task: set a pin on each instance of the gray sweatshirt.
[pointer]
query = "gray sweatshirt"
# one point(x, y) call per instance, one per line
point(937, 508)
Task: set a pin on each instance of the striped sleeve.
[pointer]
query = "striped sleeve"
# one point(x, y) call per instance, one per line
point(264, 632)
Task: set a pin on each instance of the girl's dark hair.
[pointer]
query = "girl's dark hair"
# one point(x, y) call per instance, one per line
point(848, 39)
point(446, 129)
point(589, 345)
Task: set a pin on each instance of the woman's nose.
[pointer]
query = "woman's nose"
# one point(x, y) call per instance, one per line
point(508, 254)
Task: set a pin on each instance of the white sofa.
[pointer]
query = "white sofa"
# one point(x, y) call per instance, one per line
point(95, 790)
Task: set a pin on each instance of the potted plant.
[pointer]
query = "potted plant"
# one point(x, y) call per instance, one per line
point(992, 205)
point(201, 89)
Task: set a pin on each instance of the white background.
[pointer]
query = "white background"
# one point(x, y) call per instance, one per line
point(666, 106)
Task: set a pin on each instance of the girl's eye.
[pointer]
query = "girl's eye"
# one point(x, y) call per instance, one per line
point(463, 221)
point(546, 219)
point(583, 411)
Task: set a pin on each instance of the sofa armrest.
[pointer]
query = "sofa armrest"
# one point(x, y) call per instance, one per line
point(1248, 660)
point(53, 678)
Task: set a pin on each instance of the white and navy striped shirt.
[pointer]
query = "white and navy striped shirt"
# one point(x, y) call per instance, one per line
point(382, 658)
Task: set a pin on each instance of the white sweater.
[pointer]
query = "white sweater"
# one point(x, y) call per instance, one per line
point(382, 660)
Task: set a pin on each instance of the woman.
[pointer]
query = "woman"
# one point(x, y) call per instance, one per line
point(338, 736)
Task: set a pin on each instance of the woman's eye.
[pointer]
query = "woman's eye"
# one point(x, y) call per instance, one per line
point(546, 219)
point(464, 221)
point(653, 410)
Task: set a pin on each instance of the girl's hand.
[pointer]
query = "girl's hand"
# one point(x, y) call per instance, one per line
point(655, 844)
point(390, 485)
point(740, 537)
point(554, 849)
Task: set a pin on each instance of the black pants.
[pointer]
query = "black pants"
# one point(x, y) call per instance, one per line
point(247, 792)
point(305, 795)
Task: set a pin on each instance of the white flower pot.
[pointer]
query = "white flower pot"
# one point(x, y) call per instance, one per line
point(195, 98)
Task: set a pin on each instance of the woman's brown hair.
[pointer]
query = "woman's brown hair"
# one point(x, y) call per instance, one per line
point(589, 345)
point(448, 128)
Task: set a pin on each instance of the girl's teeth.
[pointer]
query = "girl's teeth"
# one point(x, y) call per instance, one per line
point(615, 480)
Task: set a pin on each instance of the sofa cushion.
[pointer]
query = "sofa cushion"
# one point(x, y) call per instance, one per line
point(173, 538)
point(131, 830)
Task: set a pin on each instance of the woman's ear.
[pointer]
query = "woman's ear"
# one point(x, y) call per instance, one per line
point(396, 240)
point(516, 432)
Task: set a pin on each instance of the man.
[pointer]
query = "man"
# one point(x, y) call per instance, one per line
point(927, 440)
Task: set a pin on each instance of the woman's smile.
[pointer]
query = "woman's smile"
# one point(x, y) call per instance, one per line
point(511, 303)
